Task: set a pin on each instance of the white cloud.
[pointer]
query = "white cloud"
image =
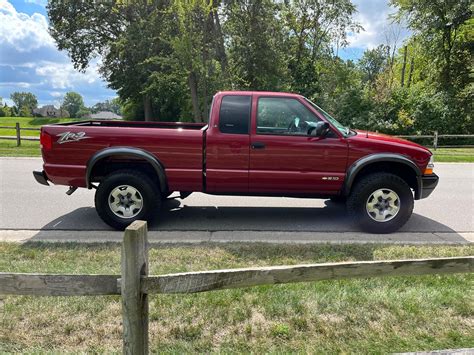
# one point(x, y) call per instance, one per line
point(29, 59)
point(374, 15)
point(21, 31)
point(38, 2)
point(63, 76)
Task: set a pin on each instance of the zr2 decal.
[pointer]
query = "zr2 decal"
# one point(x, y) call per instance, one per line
point(71, 137)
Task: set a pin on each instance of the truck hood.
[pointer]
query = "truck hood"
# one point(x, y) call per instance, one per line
point(385, 138)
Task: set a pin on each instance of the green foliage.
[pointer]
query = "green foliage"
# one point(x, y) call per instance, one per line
point(373, 63)
point(5, 111)
point(83, 112)
point(256, 51)
point(25, 103)
point(132, 111)
point(114, 105)
point(74, 104)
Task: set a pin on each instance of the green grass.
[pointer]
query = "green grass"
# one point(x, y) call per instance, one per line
point(28, 122)
point(379, 315)
point(8, 148)
point(454, 155)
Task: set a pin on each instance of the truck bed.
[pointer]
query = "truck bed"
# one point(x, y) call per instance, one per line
point(178, 147)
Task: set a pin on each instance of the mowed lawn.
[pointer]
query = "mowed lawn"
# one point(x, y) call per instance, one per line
point(379, 315)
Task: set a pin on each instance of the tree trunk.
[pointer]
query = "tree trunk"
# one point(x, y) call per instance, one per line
point(404, 66)
point(220, 47)
point(147, 108)
point(193, 87)
point(410, 74)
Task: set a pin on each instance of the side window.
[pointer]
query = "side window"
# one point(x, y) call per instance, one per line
point(283, 116)
point(234, 115)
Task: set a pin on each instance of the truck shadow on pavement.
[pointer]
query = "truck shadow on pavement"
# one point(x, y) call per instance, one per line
point(177, 216)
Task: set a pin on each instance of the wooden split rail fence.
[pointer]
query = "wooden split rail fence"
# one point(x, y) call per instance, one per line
point(436, 137)
point(134, 284)
point(18, 136)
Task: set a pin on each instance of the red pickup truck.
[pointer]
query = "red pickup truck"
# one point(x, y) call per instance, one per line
point(255, 144)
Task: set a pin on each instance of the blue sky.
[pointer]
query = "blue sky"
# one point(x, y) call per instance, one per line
point(30, 61)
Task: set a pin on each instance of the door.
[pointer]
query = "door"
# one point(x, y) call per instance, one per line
point(227, 145)
point(284, 158)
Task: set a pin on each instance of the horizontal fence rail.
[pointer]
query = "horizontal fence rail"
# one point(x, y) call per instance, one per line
point(58, 284)
point(191, 282)
point(435, 137)
point(134, 284)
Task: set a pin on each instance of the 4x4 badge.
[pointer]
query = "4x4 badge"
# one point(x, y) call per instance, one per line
point(71, 137)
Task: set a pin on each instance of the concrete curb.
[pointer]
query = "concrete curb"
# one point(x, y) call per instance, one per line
point(69, 236)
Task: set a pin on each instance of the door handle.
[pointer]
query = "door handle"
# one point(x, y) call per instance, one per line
point(258, 145)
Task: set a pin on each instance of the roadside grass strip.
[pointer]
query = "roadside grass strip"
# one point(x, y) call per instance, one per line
point(378, 315)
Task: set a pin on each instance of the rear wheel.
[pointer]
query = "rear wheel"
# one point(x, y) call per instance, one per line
point(125, 196)
point(380, 203)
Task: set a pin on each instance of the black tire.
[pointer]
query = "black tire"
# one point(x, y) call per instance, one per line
point(363, 189)
point(147, 189)
point(338, 199)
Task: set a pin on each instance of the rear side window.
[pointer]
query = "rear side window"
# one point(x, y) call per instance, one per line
point(235, 114)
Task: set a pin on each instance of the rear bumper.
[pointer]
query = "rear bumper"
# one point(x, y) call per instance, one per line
point(41, 177)
point(428, 184)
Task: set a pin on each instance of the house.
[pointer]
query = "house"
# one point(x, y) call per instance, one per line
point(50, 111)
point(104, 115)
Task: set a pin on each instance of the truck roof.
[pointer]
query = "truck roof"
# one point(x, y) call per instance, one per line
point(269, 93)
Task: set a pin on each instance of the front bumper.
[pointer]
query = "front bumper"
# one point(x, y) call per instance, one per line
point(41, 177)
point(428, 184)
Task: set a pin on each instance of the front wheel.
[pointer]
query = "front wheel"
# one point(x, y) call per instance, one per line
point(380, 203)
point(125, 196)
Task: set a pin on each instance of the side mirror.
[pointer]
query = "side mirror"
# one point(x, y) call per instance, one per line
point(319, 130)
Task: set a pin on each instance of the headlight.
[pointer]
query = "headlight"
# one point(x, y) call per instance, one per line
point(429, 168)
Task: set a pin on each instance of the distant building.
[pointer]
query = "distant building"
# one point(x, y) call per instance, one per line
point(104, 115)
point(50, 111)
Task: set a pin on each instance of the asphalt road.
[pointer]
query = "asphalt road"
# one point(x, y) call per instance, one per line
point(447, 215)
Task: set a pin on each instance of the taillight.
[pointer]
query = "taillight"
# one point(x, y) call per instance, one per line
point(46, 141)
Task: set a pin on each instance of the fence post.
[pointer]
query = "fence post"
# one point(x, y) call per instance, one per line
point(435, 142)
point(134, 302)
point(18, 136)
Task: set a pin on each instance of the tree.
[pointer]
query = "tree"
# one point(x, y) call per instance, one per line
point(25, 102)
point(192, 49)
point(443, 59)
point(439, 25)
point(127, 36)
point(314, 29)
point(256, 56)
point(74, 104)
point(373, 62)
point(113, 105)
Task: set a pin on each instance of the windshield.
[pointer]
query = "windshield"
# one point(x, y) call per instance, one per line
point(343, 129)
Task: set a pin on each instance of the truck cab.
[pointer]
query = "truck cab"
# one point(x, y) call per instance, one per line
point(270, 143)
